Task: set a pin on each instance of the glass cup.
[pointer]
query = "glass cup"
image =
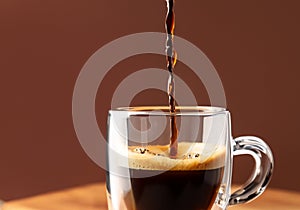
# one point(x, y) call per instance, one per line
point(142, 175)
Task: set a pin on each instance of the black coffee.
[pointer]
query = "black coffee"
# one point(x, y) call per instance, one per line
point(176, 190)
point(189, 182)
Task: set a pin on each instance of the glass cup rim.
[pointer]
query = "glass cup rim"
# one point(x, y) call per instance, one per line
point(165, 110)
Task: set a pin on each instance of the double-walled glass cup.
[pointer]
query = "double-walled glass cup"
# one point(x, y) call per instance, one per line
point(143, 176)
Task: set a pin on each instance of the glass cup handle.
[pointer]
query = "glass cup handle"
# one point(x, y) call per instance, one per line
point(261, 176)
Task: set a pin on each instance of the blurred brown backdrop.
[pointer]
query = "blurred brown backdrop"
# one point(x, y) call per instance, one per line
point(254, 45)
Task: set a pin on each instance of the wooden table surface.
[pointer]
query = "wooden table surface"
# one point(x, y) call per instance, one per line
point(93, 197)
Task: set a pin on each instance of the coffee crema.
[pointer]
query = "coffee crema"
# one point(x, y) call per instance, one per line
point(190, 156)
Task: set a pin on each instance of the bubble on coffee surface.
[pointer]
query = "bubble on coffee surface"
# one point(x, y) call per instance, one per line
point(190, 156)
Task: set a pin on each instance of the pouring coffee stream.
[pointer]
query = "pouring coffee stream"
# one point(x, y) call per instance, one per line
point(171, 61)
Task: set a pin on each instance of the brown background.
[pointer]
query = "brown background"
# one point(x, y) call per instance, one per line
point(254, 45)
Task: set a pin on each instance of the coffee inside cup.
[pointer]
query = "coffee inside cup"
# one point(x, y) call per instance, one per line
point(191, 181)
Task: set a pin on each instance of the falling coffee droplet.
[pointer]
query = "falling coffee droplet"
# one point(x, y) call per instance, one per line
point(171, 61)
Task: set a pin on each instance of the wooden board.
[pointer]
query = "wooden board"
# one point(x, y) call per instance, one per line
point(93, 197)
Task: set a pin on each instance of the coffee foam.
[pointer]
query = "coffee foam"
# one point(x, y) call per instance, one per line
point(190, 156)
